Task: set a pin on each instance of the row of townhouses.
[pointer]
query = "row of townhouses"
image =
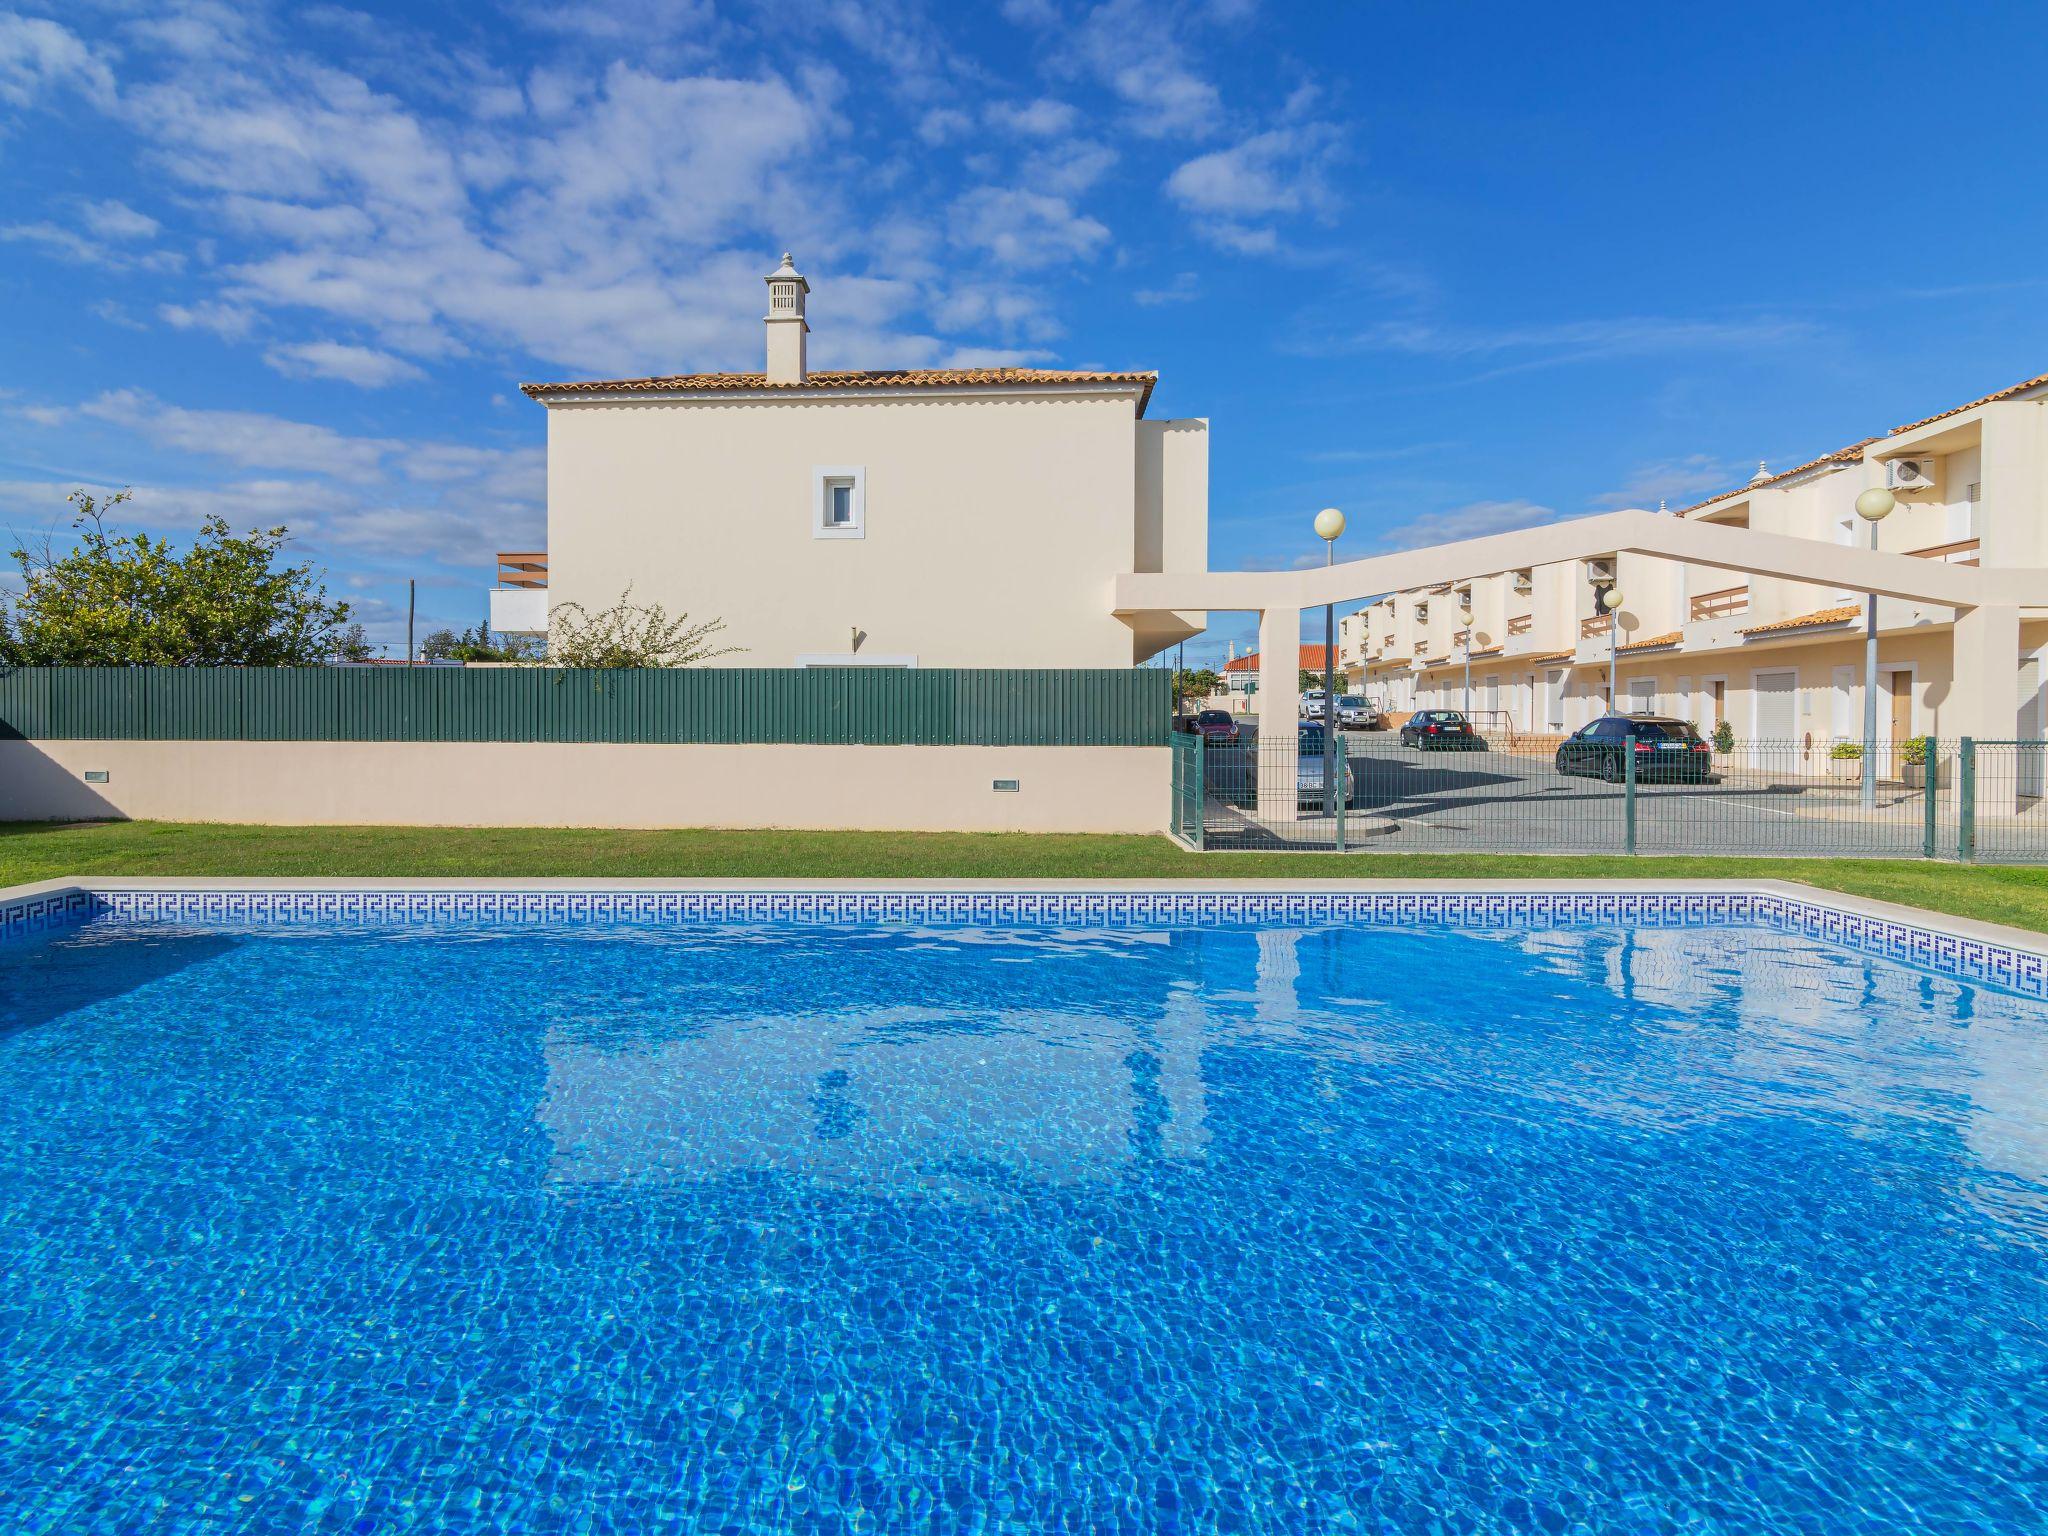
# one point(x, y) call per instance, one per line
point(1778, 660)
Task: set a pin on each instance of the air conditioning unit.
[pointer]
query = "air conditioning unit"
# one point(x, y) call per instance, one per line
point(1910, 474)
point(1601, 571)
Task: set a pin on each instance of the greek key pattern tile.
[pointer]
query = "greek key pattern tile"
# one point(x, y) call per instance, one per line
point(1928, 948)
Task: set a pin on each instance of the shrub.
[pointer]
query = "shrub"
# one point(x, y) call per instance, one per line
point(1846, 751)
point(1724, 738)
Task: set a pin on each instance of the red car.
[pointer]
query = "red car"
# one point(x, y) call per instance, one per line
point(1213, 725)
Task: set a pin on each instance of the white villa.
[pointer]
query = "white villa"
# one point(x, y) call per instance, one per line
point(1778, 659)
point(956, 517)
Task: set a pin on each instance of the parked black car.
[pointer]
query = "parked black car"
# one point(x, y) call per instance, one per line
point(1441, 728)
point(1664, 748)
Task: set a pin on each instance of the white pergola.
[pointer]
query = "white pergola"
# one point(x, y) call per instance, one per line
point(1983, 701)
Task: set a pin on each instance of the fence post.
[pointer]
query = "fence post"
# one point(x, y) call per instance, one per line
point(1930, 800)
point(1201, 813)
point(1628, 774)
point(1966, 796)
point(1343, 791)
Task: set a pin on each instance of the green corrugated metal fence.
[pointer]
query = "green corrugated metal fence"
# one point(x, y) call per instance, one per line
point(873, 706)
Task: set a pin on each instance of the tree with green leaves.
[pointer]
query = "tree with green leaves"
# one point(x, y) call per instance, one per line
point(129, 600)
point(1194, 683)
point(477, 645)
point(629, 634)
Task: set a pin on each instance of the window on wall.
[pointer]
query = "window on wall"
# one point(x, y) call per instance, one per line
point(838, 503)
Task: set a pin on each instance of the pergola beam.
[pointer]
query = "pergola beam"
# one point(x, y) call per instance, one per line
point(1641, 533)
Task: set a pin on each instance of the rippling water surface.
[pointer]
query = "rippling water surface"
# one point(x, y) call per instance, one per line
point(777, 1229)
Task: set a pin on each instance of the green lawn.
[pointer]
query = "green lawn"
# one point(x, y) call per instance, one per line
point(39, 851)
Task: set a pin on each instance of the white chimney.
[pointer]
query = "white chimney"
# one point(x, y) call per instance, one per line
point(787, 327)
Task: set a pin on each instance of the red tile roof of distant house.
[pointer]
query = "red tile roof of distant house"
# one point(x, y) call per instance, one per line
point(1311, 661)
point(858, 378)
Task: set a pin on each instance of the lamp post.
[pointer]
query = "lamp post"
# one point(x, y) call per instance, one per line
point(1610, 601)
point(1329, 528)
point(1873, 506)
point(1465, 619)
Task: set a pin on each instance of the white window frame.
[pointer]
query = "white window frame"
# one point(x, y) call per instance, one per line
point(823, 478)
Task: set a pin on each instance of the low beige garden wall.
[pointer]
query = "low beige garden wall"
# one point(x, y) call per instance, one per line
point(589, 784)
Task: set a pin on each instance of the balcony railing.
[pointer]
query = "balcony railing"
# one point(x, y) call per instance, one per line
point(1521, 624)
point(1422, 647)
point(1728, 603)
point(1599, 624)
point(529, 569)
point(1963, 552)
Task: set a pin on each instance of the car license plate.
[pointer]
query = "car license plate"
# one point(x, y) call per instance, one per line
point(1670, 746)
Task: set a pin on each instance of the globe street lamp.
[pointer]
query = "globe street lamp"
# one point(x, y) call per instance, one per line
point(1873, 506)
point(1610, 600)
point(1465, 618)
point(1329, 528)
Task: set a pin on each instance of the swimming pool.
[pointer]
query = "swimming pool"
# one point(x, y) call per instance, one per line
point(340, 1214)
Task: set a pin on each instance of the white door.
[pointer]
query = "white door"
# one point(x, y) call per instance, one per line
point(1775, 729)
point(1642, 695)
point(1845, 723)
point(1553, 701)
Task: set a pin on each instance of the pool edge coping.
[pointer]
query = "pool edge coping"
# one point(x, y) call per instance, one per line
point(1973, 929)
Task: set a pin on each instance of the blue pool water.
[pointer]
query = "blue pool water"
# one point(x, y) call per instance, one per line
point(636, 1229)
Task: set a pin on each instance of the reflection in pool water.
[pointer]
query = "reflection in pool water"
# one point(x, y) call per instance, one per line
point(630, 1229)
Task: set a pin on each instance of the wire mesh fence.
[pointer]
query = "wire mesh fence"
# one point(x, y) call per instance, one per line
point(1637, 789)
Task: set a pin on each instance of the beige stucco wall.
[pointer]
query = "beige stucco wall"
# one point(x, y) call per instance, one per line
point(550, 784)
point(994, 525)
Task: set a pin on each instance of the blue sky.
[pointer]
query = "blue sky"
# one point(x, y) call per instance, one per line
point(1450, 268)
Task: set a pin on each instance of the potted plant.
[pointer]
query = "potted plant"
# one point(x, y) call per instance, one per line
point(1845, 760)
point(1913, 765)
point(1724, 738)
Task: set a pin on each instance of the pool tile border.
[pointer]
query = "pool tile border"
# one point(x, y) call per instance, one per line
point(1919, 941)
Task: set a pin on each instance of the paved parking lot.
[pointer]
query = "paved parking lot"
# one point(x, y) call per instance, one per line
point(1499, 800)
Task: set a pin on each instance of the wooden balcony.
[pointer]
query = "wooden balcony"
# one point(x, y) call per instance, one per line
point(1521, 624)
point(1963, 552)
point(1597, 625)
point(1728, 603)
point(523, 570)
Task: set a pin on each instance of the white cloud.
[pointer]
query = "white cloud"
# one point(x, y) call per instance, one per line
point(229, 321)
point(1133, 50)
point(113, 220)
point(1026, 229)
point(69, 245)
point(36, 54)
point(1574, 340)
point(1686, 479)
point(1181, 290)
point(248, 438)
point(1041, 119)
point(1278, 171)
point(351, 364)
point(941, 125)
point(1474, 520)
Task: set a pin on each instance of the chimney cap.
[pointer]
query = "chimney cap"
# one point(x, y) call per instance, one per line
point(787, 272)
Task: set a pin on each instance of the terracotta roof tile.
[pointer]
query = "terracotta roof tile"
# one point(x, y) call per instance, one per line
point(1807, 620)
point(1993, 398)
point(861, 378)
point(1849, 455)
point(1654, 641)
point(1548, 656)
point(1854, 452)
point(1310, 660)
